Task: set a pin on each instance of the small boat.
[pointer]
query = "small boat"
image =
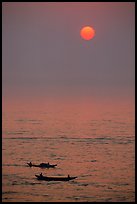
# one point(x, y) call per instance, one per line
point(42, 165)
point(46, 178)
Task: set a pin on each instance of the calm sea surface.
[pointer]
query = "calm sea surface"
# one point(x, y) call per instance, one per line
point(98, 148)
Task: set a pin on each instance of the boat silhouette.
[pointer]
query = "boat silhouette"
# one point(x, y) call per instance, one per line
point(42, 165)
point(55, 178)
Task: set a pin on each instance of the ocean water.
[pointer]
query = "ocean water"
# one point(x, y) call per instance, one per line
point(96, 146)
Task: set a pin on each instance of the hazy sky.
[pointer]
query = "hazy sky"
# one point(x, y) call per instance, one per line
point(43, 54)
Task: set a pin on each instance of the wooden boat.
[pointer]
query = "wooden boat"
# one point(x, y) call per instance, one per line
point(42, 165)
point(46, 178)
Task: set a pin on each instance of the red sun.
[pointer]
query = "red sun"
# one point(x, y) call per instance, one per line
point(87, 33)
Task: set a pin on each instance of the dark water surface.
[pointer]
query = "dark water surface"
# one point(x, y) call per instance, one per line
point(97, 148)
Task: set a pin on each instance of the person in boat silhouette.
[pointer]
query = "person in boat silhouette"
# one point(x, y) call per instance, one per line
point(41, 175)
point(68, 176)
point(30, 164)
point(44, 164)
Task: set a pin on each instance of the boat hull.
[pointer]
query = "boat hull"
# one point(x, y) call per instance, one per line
point(45, 178)
point(42, 165)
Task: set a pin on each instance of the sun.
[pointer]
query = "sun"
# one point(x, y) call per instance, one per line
point(87, 33)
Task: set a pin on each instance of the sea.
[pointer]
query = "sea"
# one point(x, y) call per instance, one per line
point(95, 144)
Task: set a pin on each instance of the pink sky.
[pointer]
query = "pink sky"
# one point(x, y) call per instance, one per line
point(44, 58)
